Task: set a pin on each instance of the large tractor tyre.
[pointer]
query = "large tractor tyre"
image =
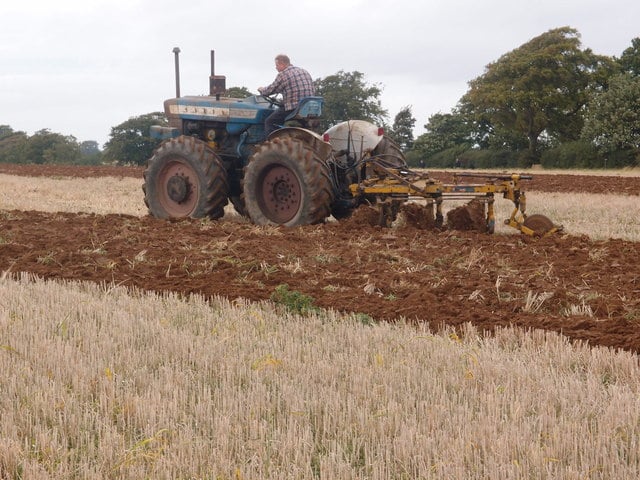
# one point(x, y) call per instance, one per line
point(185, 178)
point(287, 183)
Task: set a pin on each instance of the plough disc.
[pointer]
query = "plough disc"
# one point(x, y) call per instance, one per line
point(539, 224)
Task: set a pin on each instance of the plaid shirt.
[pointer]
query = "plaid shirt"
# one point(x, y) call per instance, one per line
point(293, 83)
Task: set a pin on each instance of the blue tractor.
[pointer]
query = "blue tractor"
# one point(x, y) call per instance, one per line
point(215, 150)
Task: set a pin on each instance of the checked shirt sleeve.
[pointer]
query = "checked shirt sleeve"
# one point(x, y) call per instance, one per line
point(293, 83)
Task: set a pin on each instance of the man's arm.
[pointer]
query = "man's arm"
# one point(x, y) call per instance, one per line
point(275, 87)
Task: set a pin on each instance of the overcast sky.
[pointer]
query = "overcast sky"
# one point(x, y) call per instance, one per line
point(80, 67)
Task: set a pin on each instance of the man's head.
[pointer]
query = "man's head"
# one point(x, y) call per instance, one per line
point(282, 62)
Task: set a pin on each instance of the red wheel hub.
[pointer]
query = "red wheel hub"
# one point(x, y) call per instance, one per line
point(177, 187)
point(281, 195)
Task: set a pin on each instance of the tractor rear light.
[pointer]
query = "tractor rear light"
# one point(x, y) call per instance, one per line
point(326, 138)
point(380, 131)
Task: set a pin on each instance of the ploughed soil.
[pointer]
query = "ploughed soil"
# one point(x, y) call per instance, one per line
point(585, 289)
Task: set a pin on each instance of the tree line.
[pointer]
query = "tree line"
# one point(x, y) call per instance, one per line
point(548, 101)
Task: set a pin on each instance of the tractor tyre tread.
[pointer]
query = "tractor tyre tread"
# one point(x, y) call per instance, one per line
point(312, 174)
point(202, 164)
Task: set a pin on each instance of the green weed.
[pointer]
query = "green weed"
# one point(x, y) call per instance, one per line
point(293, 301)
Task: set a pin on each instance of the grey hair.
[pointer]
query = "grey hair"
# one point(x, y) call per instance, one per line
point(283, 59)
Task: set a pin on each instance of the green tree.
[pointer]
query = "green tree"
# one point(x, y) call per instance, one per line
point(12, 145)
point(131, 142)
point(45, 146)
point(630, 59)
point(542, 86)
point(348, 97)
point(89, 147)
point(444, 131)
point(613, 119)
point(5, 131)
point(402, 129)
point(90, 152)
point(237, 92)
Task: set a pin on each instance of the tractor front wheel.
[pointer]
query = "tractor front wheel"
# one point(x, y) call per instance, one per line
point(287, 183)
point(184, 178)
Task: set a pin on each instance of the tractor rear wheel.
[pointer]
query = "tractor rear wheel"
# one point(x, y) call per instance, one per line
point(185, 178)
point(539, 224)
point(287, 183)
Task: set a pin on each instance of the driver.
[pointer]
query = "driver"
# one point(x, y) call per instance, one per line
point(293, 83)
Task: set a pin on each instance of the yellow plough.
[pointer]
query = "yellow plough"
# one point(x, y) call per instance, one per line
point(392, 187)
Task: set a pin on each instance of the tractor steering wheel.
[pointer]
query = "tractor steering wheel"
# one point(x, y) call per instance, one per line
point(273, 101)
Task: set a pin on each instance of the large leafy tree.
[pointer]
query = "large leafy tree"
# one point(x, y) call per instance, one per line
point(347, 96)
point(613, 119)
point(630, 59)
point(444, 131)
point(91, 153)
point(12, 145)
point(131, 142)
point(6, 131)
point(402, 129)
point(45, 146)
point(542, 86)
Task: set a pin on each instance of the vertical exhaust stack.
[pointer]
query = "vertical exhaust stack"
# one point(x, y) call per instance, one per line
point(217, 83)
point(176, 53)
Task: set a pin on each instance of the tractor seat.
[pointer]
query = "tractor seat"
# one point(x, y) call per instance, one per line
point(308, 111)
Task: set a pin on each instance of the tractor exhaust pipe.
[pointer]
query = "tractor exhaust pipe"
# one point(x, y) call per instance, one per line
point(217, 83)
point(176, 53)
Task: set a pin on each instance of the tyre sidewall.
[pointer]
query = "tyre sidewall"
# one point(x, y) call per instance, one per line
point(208, 170)
point(309, 173)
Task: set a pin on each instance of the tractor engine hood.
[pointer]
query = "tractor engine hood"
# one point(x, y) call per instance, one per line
point(208, 108)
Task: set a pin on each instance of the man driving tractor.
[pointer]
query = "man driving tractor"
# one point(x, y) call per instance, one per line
point(293, 83)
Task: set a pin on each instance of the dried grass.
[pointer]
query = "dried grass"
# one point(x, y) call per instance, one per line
point(598, 216)
point(102, 195)
point(99, 382)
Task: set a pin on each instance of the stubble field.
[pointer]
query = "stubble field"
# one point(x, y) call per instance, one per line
point(166, 359)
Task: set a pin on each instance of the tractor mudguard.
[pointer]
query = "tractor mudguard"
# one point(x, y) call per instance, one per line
point(318, 145)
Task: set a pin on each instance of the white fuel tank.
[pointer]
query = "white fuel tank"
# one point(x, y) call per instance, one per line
point(356, 136)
